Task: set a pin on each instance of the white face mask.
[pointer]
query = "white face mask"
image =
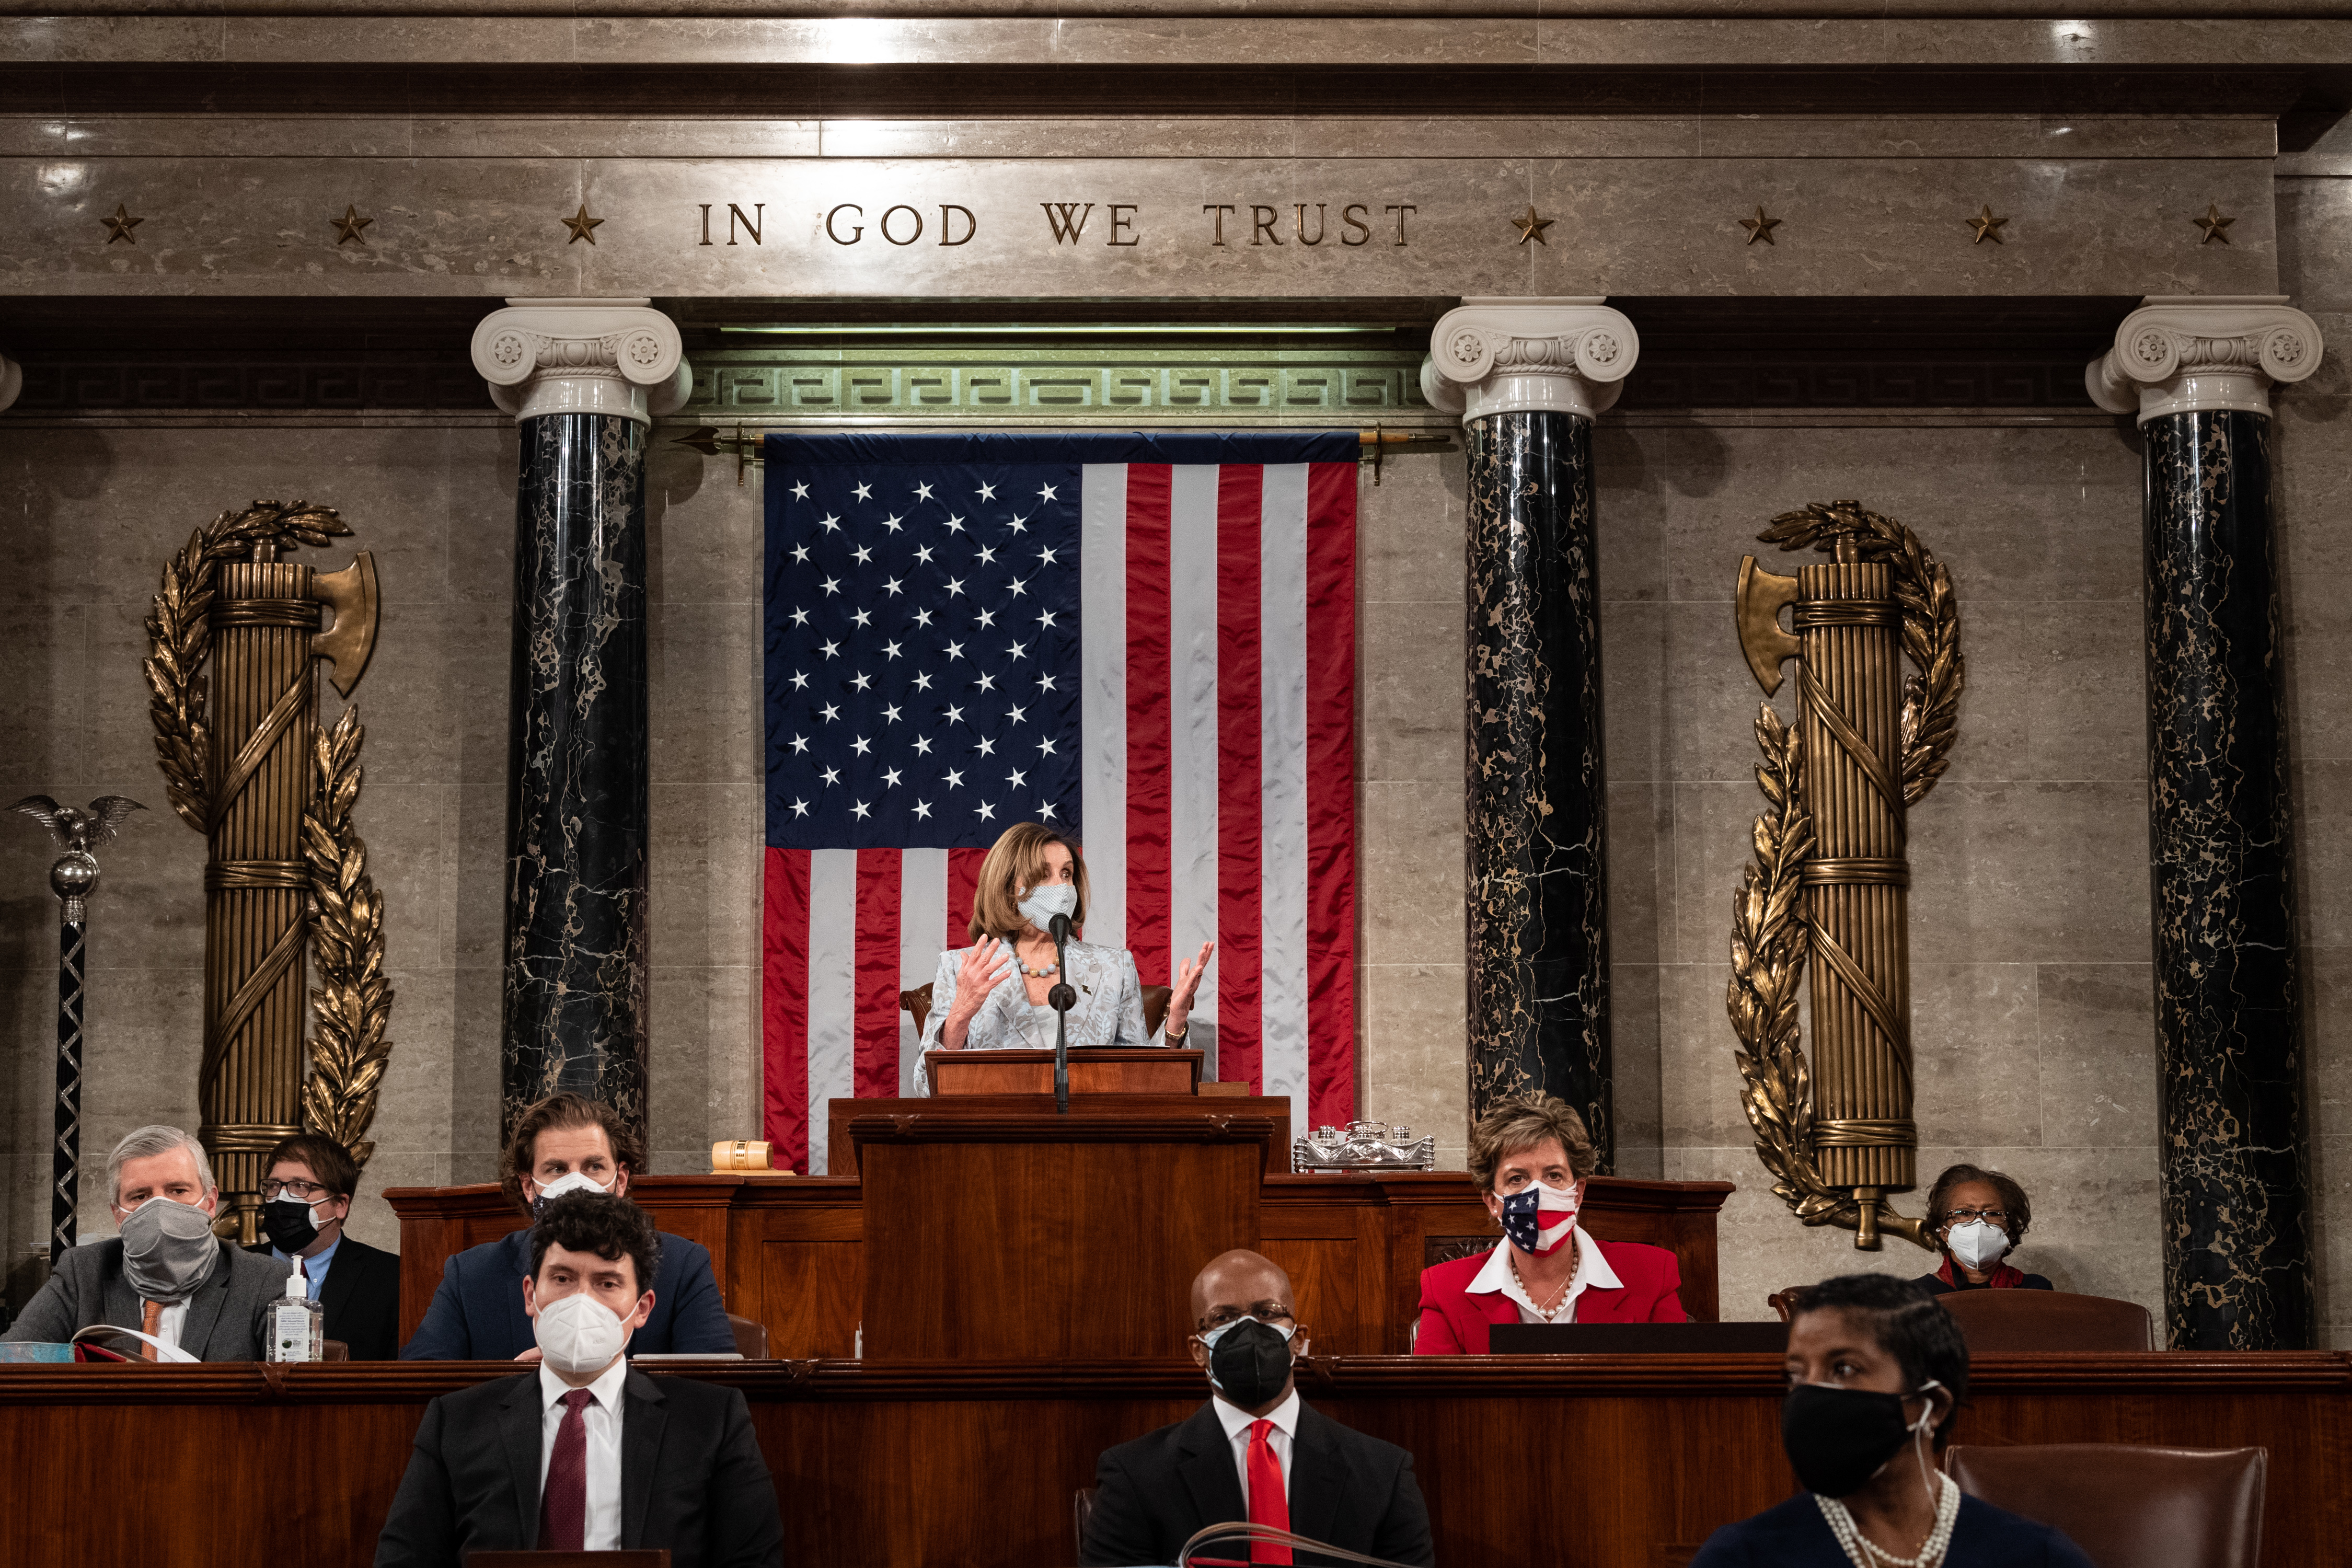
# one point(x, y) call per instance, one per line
point(1976, 1243)
point(1039, 905)
point(573, 1182)
point(578, 1333)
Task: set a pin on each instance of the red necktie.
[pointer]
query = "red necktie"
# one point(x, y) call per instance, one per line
point(563, 1500)
point(1269, 1503)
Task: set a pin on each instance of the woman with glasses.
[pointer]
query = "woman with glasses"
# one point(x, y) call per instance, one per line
point(1978, 1217)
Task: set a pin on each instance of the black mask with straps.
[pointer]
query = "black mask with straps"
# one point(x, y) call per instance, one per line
point(1838, 1438)
point(1249, 1362)
point(287, 1223)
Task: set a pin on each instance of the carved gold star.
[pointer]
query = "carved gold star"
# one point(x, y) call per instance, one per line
point(1759, 226)
point(1987, 226)
point(120, 226)
point(2213, 223)
point(1532, 227)
point(580, 224)
point(349, 225)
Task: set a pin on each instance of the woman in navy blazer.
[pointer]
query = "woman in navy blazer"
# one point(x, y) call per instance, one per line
point(1529, 1159)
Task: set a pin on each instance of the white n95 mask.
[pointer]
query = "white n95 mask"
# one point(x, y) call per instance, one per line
point(572, 1181)
point(578, 1333)
point(1978, 1243)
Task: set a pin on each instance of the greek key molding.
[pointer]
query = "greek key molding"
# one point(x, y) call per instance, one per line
point(2184, 354)
point(1497, 357)
point(582, 356)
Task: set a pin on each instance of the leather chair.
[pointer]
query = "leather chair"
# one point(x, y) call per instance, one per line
point(1155, 1006)
point(2128, 1507)
point(334, 1350)
point(751, 1337)
point(1082, 1513)
point(2048, 1320)
point(1779, 1300)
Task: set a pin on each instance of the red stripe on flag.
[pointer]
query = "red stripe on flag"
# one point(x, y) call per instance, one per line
point(874, 1075)
point(1149, 858)
point(963, 882)
point(1331, 792)
point(1241, 805)
point(783, 1007)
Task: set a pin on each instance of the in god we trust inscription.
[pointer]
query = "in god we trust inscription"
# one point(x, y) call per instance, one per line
point(1062, 223)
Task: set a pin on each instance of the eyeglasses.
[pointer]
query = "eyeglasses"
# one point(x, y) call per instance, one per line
point(1220, 1317)
point(1991, 1216)
point(308, 1191)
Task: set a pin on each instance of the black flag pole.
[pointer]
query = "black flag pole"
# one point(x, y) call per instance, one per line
point(74, 878)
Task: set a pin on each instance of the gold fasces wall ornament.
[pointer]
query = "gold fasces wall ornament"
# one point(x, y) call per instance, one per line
point(1830, 877)
point(245, 763)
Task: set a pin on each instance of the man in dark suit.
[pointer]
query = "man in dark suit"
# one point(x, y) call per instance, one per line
point(1255, 1452)
point(582, 1454)
point(306, 1197)
point(166, 1276)
point(567, 1143)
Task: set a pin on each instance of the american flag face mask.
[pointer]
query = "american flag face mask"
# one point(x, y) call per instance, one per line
point(1539, 1219)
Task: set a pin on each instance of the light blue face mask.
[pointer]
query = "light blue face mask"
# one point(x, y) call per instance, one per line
point(1041, 904)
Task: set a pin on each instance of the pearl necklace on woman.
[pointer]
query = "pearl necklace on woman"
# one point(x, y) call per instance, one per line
point(1552, 1312)
point(1864, 1552)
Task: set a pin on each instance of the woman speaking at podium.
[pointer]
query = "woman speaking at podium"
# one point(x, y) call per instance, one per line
point(1031, 875)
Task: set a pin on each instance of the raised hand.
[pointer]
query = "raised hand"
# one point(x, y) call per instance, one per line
point(1188, 982)
point(985, 965)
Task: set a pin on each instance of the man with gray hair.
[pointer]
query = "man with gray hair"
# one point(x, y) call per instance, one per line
point(166, 1275)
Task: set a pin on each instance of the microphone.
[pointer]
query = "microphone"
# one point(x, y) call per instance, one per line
point(1061, 998)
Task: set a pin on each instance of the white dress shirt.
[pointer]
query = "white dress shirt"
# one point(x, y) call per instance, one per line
point(1238, 1423)
point(602, 1529)
point(1592, 1270)
point(175, 1318)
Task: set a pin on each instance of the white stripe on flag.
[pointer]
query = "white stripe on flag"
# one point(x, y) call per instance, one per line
point(1192, 727)
point(922, 918)
point(832, 993)
point(1282, 715)
point(1102, 708)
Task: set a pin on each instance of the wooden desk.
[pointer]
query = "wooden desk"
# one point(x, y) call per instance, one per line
point(971, 1463)
point(1106, 1069)
point(790, 1250)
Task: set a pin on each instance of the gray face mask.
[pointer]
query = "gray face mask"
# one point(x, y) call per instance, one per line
point(168, 1249)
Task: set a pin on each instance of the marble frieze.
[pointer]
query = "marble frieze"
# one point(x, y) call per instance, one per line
point(1155, 226)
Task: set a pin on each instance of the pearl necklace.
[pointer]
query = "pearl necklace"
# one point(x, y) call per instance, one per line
point(1037, 974)
point(1864, 1552)
point(1557, 1308)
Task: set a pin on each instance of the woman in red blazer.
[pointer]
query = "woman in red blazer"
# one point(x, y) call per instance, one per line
point(1529, 1159)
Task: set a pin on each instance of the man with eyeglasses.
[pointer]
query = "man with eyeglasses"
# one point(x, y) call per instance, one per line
point(305, 1198)
point(1255, 1452)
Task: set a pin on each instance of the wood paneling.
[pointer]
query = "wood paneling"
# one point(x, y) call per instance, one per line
point(1109, 1070)
point(790, 1251)
point(973, 1463)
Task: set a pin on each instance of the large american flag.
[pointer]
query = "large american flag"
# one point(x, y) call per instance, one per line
point(1147, 640)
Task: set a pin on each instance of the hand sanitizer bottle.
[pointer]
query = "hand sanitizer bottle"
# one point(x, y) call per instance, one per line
point(297, 1326)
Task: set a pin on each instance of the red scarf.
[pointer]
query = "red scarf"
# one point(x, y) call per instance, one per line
point(2003, 1277)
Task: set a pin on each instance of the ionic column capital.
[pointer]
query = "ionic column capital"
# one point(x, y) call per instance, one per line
point(2191, 354)
point(1570, 355)
point(11, 382)
point(582, 356)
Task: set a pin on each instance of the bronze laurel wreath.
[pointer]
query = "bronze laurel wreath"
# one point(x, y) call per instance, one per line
point(351, 1003)
point(1769, 937)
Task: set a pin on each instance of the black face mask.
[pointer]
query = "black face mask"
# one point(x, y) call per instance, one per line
point(1839, 1437)
point(287, 1222)
point(1250, 1364)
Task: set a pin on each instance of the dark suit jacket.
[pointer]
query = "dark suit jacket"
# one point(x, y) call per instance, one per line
point(223, 1315)
point(1793, 1534)
point(476, 1314)
point(361, 1298)
point(1348, 1489)
point(692, 1480)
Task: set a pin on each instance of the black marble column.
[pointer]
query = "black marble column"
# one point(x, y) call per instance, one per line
point(577, 804)
point(2236, 1210)
point(1537, 828)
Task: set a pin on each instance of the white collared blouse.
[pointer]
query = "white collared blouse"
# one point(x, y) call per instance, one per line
point(1109, 1010)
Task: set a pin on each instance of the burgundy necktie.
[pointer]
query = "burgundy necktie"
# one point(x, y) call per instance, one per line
point(1269, 1502)
point(563, 1500)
